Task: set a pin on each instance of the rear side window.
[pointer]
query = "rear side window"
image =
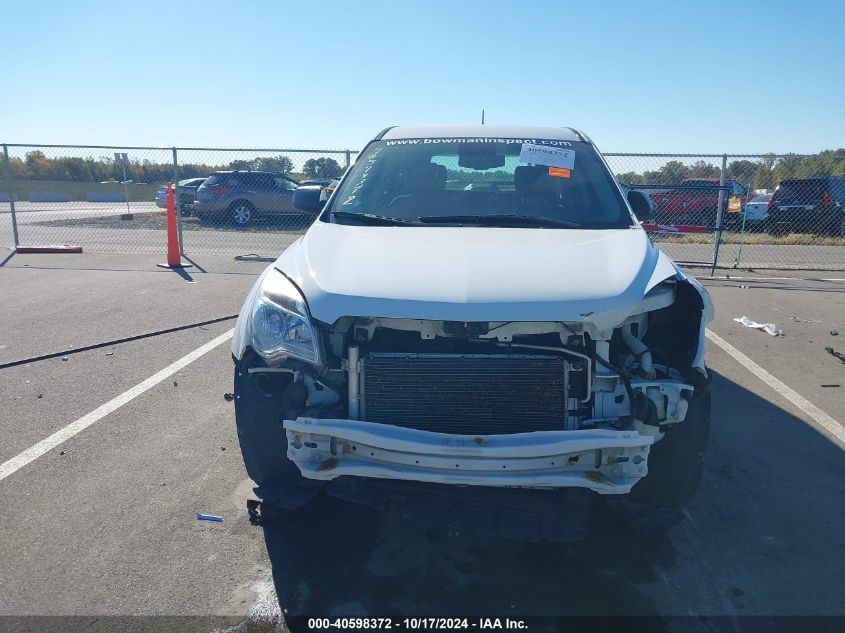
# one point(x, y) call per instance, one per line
point(214, 180)
point(286, 184)
point(800, 191)
point(837, 189)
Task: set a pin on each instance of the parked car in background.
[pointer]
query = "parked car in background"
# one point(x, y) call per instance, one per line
point(307, 187)
point(187, 194)
point(241, 196)
point(626, 189)
point(808, 205)
point(696, 200)
point(755, 212)
point(328, 190)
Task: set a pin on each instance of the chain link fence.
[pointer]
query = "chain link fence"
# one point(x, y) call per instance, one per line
point(113, 199)
point(743, 210)
point(762, 211)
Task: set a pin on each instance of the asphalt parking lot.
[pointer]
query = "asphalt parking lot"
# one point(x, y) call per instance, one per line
point(104, 523)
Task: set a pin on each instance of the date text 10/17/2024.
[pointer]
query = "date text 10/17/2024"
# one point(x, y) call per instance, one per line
point(416, 624)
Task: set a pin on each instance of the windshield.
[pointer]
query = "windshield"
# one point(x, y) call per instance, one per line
point(491, 182)
point(798, 192)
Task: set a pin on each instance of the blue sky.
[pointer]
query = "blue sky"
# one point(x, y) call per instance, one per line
point(636, 76)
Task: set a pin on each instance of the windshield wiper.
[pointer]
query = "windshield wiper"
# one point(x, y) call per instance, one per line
point(498, 218)
point(372, 218)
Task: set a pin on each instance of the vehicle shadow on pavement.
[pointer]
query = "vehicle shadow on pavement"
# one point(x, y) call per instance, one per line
point(767, 474)
point(7, 259)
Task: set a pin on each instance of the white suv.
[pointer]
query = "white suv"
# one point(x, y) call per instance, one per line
point(476, 307)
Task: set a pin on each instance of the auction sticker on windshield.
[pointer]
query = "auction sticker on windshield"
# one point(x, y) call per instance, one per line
point(544, 155)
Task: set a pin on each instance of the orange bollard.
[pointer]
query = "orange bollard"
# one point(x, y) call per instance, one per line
point(173, 258)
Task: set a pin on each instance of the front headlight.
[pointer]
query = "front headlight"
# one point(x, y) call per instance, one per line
point(280, 325)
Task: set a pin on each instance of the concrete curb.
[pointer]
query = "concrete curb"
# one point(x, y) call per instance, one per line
point(55, 248)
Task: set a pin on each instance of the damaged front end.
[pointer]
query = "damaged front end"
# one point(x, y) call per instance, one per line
point(502, 404)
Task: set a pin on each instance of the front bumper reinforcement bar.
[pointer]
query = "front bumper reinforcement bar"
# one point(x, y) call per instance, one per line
point(606, 461)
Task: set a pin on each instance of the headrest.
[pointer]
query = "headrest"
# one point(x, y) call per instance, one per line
point(434, 176)
point(525, 177)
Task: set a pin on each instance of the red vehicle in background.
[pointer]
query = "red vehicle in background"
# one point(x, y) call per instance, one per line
point(696, 200)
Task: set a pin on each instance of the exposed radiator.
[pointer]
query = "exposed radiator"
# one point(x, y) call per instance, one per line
point(472, 394)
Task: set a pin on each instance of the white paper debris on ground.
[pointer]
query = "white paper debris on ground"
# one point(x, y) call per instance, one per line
point(768, 328)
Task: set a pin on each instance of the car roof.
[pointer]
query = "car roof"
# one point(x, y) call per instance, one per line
point(247, 171)
point(491, 131)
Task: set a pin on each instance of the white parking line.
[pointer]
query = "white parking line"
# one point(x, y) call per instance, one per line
point(48, 443)
point(821, 421)
point(733, 278)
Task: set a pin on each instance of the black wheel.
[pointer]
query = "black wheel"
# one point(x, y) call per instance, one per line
point(260, 406)
point(676, 463)
point(241, 212)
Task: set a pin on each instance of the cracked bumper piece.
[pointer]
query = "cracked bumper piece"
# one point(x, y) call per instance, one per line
point(606, 461)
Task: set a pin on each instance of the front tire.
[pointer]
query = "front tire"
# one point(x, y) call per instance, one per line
point(260, 408)
point(676, 463)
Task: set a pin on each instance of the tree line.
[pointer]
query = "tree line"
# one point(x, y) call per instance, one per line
point(36, 166)
point(764, 173)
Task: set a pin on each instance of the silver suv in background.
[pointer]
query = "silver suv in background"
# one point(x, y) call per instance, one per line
point(241, 196)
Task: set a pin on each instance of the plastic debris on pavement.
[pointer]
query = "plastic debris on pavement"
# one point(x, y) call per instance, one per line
point(768, 328)
point(795, 318)
point(833, 352)
point(208, 517)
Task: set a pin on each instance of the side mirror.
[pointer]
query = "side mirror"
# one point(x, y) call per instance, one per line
point(641, 205)
point(307, 198)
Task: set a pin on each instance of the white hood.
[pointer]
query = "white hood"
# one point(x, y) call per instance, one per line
point(474, 273)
